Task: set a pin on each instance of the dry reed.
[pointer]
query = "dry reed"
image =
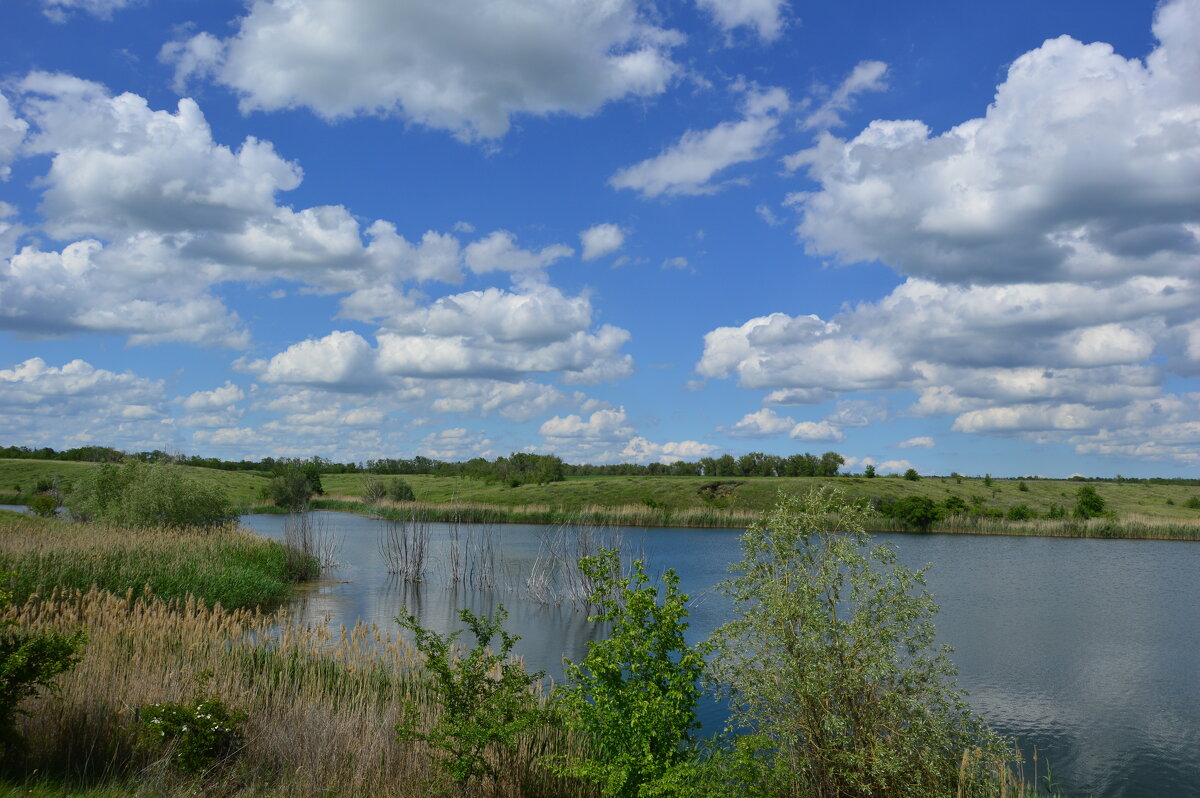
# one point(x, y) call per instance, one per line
point(322, 703)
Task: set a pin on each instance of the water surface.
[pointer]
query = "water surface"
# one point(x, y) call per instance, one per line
point(1088, 650)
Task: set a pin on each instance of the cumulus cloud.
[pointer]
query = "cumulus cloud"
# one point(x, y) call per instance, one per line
point(216, 399)
point(457, 65)
point(1085, 166)
point(499, 252)
point(764, 16)
point(12, 133)
point(866, 76)
point(457, 443)
point(764, 423)
point(1051, 250)
point(77, 403)
point(642, 450)
point(816, 431)
point(690, 165)
point(601, 239)
point(603, 425)
point(922, 442)
point(341, 360)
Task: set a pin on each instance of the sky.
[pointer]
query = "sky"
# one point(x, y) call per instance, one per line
point(936, 235)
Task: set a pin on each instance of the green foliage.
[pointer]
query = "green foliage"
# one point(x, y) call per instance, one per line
point(373, 489)
point(911, 475)
point(830, 665)
point(44, 505)
point(916, 511)
point(634, 695)
point(198, 734)
point(954, 505)
point(29, 661)
point(869, 471)
point(400, 491)
point(987, 480)
point(291, 488)
point(137, 494)
point(486, 699)
point(1021, 486)
point(1020, 512)
point(1192, 503)
point(1088, 503)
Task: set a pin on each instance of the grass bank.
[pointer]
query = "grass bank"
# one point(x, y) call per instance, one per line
point(223, 565)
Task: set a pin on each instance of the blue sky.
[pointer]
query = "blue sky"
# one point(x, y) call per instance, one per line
point(936, 235)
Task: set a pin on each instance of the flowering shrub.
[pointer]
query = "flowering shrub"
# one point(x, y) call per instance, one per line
point(198, 734)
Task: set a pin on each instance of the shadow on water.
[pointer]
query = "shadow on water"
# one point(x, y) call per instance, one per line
point(1088, 650)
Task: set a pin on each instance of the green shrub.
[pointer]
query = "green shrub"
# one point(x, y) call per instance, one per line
point(400, 491)
point(634, 695)
point(44, 505)
point(1193, 503)
point(291, 489)
point(29, 661)
point(831, 668)
point(486, 699)
point(1020, 512)
point(373, 489)
point(198, 735)
point(954, 505)
point(1088, 503)
point(911, 475)
point(916, 511)
point(1056, 511)
point(1021, 486)
point(137, 494)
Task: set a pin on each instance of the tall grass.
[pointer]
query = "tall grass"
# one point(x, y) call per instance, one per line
point(1132, 526)
point(322, 703)
point(223, 565)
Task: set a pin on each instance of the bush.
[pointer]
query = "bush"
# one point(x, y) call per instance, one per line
point(137, 494)
point(486, 699)
point(198, 735)
point(373, 489)
point(1056, 511)
point(1193, 503)
point(28, 661)
point(1021, 486)
point(1088, 503)
point(830, 664)
point(911, 475)
point(1020, 512)
point(290, 488)
point(634, 695)
point(916, 511)
point(954, 505)
point(44, 505)
point(400, 491)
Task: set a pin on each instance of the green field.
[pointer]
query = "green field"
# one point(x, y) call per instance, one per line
point(1140, 508)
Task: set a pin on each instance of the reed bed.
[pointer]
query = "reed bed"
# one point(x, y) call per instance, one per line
point(1132, 526)
point(322, 703)
point(225, 565)
point(596, 515)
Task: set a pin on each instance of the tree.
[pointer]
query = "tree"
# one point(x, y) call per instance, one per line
point(830, 664)
point(869, 471)
point(634, 695)
point(1088, 503)
point(911, 475)
point(290, 488)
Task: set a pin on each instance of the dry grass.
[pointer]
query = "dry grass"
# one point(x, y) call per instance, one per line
point(322, 703)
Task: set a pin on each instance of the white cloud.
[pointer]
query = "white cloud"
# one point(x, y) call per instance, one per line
point(499, 252)
point(339, 361)
point(816, 431)
point(922, 442)
point(455, 65)
point(603, 425)
point(457, 443)
point(866, 76)
point(1086, 166)
point(765, 16)
point(601, 239)
point(77, 403)
point(12, 133)
point(764, 423)
point(642, 450)
point(60, 10)
point(216, 399)
point(690, 165)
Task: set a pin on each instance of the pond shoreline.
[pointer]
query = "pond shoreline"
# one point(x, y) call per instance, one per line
point(1141, 528)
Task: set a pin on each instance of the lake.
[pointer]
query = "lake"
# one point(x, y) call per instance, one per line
point(1088, 650)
